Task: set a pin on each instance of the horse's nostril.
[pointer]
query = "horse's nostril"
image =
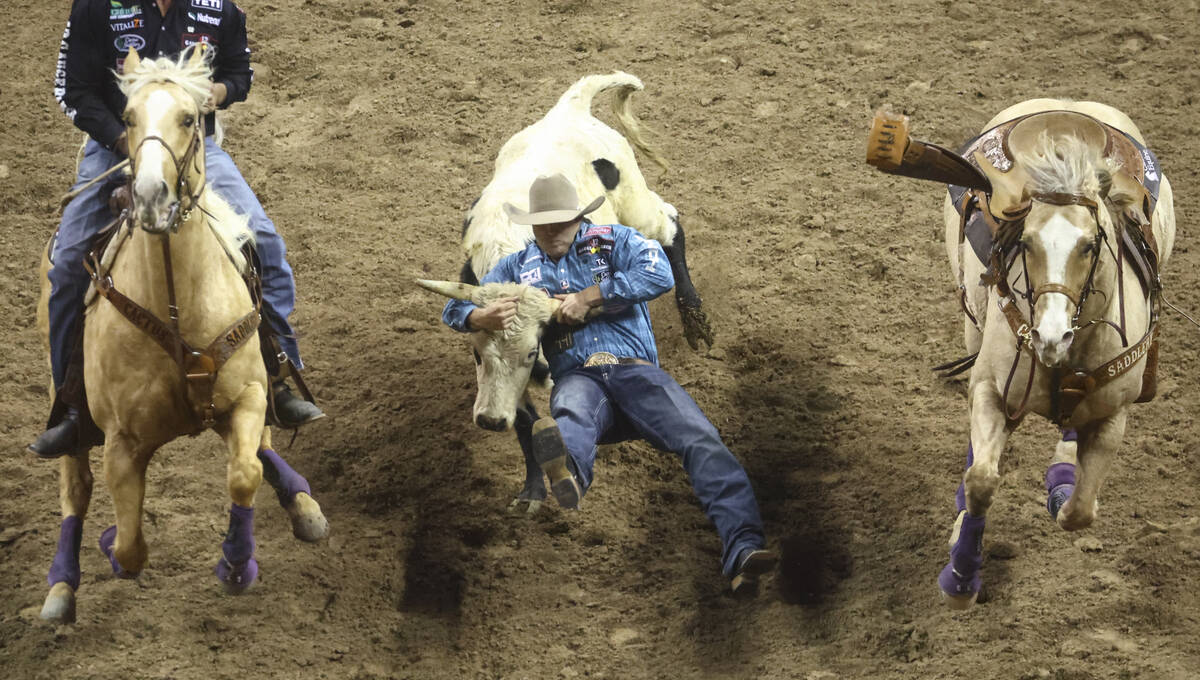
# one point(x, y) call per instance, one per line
point(489, 423)
point(1068, 337)
point(1035, 336)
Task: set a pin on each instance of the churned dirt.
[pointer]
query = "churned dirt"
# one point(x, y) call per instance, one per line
point(371, 127)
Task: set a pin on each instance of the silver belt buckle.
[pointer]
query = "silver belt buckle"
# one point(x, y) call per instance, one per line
point(601, 359)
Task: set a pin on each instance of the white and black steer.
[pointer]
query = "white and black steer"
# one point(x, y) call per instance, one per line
point(598, 160)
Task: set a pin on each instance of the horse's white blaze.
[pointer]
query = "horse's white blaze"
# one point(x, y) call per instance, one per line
point(1058, 240)
point(151, 156)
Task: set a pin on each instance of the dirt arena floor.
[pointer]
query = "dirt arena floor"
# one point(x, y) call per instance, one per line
point(371, 127)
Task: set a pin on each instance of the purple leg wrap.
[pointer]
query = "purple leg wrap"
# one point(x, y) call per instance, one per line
point(961, 576)
point(106, 546)
point(286, 481)
point(1070, 435)
point(65, 568)
point(238, 569)
point(960, 498)
point(1060, 484)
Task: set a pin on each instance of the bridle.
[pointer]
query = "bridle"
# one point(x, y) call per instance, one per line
point(178, 212)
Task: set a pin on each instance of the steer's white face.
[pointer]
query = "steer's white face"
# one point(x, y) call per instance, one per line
point(503, 359)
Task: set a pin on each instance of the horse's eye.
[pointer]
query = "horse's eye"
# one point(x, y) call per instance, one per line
point(128, 119)
point(531, 355)
point(477, 359)
point(189, 120)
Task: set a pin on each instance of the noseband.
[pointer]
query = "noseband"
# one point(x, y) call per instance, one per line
point(177, 212)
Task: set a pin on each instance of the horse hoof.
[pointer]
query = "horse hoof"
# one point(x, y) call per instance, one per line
point(1057, 498)
point(308, 523)
point(959, 592)
point(106, 546)
point(60, 604)
point(237, 580)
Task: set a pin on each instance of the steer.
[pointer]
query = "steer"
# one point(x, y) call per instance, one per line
point(597, 160)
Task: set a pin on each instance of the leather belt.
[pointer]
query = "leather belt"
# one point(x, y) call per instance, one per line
point(608, 358)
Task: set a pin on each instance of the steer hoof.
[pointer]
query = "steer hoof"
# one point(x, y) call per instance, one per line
point(237, 579)
point(695, 325)
point(308, 522)
point(60, 604)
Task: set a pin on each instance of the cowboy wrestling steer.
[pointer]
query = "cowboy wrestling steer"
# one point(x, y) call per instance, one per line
point(598, 161)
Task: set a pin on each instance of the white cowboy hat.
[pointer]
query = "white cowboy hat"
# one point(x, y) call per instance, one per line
point(552, 199)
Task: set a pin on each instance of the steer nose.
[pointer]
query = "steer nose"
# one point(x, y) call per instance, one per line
point(490, 423)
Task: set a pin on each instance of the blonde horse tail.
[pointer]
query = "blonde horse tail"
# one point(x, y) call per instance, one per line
point(578, 100)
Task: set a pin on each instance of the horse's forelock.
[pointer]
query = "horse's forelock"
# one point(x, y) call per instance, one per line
point(195, 78)
point(1064, 164)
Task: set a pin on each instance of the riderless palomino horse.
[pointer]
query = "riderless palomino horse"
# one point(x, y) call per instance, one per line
point(1056, 229)
point(170, 342)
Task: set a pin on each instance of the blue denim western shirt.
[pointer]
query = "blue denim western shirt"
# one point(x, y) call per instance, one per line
point(630, 270)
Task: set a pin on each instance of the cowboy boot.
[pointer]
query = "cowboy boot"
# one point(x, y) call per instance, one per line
point(59, 440)
point(293, 411)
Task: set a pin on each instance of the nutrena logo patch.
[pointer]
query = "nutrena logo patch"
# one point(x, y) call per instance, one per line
point(214, 5)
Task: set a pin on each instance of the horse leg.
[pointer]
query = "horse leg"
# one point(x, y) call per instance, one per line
point(696, 326)
point(125, 475)
point(75, 494)
point(295, 496)
point(243, 433)
point(1098, 443)
point(533, 492)
point(1060, 476)
point(959, 580)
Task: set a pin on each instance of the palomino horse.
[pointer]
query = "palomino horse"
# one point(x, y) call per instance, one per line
point(1062, 307)
point(146, 385)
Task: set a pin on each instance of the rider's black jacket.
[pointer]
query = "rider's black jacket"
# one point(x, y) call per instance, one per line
point(100, 33)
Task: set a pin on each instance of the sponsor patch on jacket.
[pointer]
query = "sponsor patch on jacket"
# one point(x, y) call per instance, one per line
point(214, 5)
point(190, 39)
point(118, 10)
point(203, 18)
point(129, 41)
point(531, 277)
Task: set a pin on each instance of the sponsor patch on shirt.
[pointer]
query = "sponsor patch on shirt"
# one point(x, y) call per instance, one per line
point(593, 245)
point(214, 5)
point(120, 26)
point(531, 277)
point(597, 230)
point(129, 41)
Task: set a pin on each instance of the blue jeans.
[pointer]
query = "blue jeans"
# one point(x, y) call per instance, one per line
point(87, 215)
point(609, 404)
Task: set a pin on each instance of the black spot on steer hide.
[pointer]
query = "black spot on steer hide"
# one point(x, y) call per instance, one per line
point(608, 173)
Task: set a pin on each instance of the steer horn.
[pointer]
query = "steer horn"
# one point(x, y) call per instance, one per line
point(452, 289)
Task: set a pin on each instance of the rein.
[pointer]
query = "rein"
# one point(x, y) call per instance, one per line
point(198, 367)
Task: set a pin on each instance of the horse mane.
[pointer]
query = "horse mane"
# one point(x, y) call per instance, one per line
point(1064, 164)
point(231, 228)
point(194, 78)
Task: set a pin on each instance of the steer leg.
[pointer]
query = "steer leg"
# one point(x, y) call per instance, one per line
point(1098, 443)
point(960, 581)
point(695, 322)
point(533, 493)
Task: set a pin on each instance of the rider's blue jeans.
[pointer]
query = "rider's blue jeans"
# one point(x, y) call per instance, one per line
point(87, 215)
point(619, 402)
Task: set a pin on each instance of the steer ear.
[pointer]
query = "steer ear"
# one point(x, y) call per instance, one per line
point(451, 289)
point(132, 61)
